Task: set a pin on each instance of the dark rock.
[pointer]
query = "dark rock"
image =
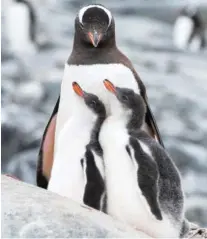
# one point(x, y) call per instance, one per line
point(23, 166)
point(185, 157)
point(10, 142)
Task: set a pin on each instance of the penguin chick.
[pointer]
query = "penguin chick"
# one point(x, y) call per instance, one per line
point(78, 170)
point(143, 184)
point(92, 163)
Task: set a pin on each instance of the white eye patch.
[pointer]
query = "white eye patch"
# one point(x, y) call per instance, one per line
point(84, 9)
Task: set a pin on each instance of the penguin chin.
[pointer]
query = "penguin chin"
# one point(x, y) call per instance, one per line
point(122, 112)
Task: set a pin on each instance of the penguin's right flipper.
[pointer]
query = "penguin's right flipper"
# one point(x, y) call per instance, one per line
point(45, 157)
point(95, 186)
point(147, 176)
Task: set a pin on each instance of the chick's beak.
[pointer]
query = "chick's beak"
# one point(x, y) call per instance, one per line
point(94, 37)
point(77, 89)
point(109, 86)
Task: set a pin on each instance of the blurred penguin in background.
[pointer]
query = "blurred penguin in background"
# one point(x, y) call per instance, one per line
point(189, 29)
point(21, 27)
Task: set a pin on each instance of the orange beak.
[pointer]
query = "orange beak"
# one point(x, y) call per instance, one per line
point(94, 38)
point(77, 89)
point(109, 86)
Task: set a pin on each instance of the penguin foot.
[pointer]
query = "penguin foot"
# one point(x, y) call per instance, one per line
point(198, 233)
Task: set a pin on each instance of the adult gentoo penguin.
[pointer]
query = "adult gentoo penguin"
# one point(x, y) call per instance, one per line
point(143, 184)
point(94, 57)
point(21, 26)
point(78, 169)
point(189, 29)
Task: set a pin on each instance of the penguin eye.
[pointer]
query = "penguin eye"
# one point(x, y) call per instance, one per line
point(93, 103)
point(124, 98)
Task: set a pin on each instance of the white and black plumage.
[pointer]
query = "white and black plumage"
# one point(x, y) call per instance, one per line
point(78, 171)
point(189, 29)
point(143, 185)
point(94, 57)
point(21, 27)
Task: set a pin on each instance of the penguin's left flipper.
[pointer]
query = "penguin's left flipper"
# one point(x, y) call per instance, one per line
point(45, 157)
point(95, 186)
point(149, 119)
point(147, 176)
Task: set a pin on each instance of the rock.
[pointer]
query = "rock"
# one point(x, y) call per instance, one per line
point(184, 156)
point(31, 212)
point(10, 142)
point(29, 93)
point(21, 130)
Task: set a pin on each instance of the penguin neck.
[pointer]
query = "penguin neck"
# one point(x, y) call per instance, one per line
point(130, 118)
point(134, 122)
point(96, 129)
point(84, 115)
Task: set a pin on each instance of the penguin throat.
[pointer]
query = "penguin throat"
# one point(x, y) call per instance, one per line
point(86, 116)
point(135, 122)
point(82, 113)
point(132, 119)
point(96, 131)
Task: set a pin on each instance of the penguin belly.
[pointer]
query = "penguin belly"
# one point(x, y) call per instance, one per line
point(67, 176)
point(91, 77)
point(182, 31)
point(125, 200)
point(18, 28)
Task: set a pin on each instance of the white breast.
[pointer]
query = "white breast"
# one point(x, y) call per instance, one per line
point(17, 21)
point(182, 30)
point(90, 78)
point(124, 197)
point(67, 176)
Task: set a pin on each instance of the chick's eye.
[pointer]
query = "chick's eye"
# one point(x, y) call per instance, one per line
point(124, 98)
point(93, 103)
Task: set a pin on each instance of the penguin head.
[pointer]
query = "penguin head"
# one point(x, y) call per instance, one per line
point(90, 100)
point(95, 26)
point(129, 100)
point(189, 10)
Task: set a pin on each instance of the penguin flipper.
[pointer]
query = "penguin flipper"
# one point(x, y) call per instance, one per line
point(95, 186)
point(45, 156)
point(147, 177)
point(149, 119)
